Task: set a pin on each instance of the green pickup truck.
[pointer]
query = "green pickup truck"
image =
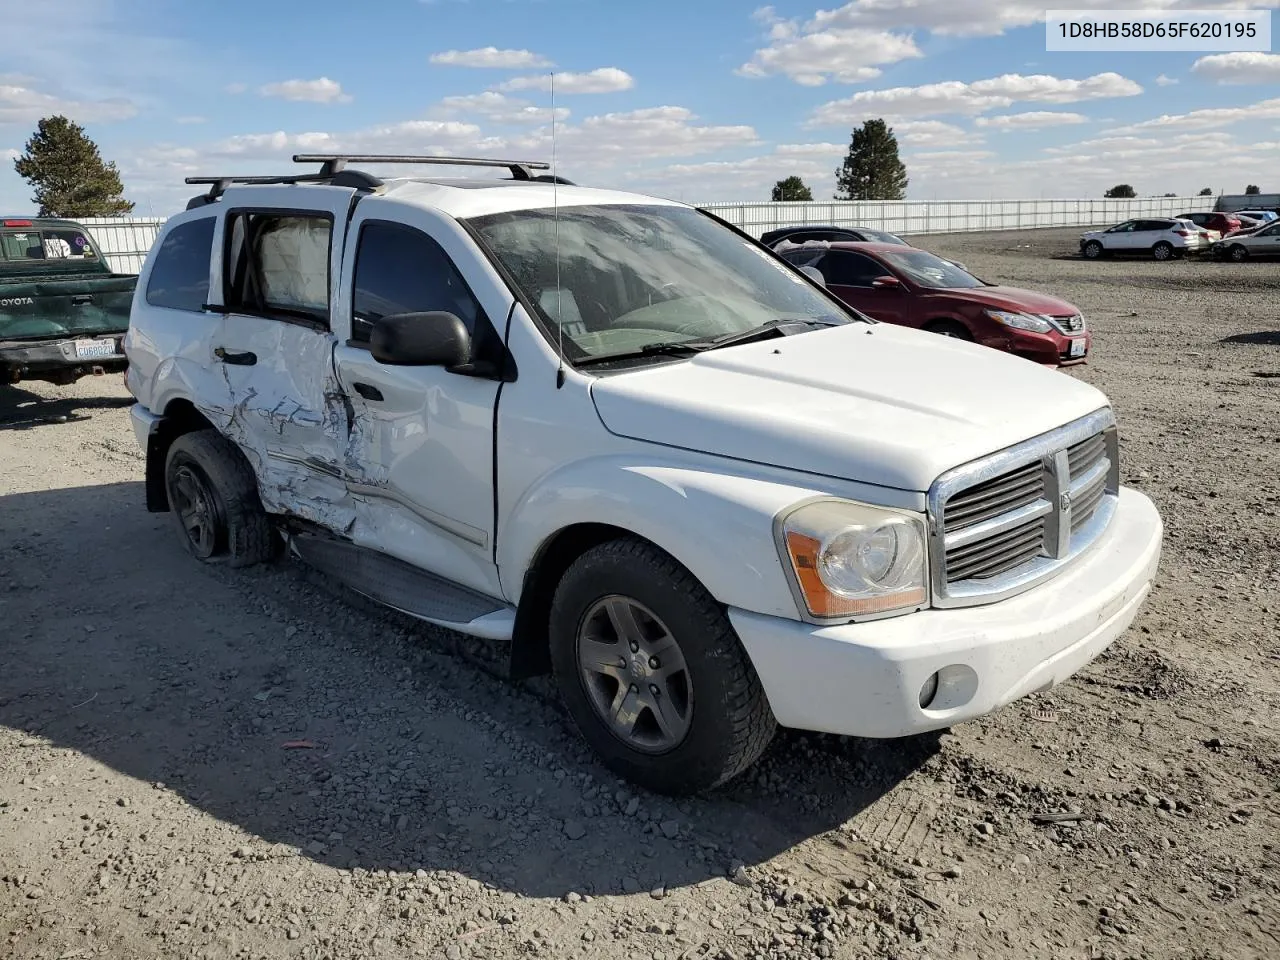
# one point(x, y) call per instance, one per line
point(63, 313)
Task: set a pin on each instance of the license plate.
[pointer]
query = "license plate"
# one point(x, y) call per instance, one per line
point(93, 349)
point(1076, 349)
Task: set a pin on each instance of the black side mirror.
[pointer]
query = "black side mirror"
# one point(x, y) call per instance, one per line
point(434, 339)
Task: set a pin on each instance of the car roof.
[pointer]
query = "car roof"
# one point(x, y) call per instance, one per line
point(861, 246)
point(465, 198)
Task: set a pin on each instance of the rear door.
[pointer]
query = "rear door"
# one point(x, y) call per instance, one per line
point(850, 276)
point(280, 259)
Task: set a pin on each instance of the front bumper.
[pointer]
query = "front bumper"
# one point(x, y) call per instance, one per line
point(1052, 349)
point(866, 679)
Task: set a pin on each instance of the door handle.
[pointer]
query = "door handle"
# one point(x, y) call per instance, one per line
point(368, 391)
point(80, 299)
point(239, 359)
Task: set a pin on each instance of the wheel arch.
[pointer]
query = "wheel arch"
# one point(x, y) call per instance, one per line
point(179, 417)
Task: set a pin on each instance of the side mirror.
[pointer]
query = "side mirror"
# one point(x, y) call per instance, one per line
point(814, 274)
point(420, 340)
point(886, 283)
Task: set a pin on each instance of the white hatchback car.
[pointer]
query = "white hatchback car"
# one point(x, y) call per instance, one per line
point(637, 447)
point(1161, 237)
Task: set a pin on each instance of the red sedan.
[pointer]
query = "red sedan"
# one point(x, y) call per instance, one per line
point(913, 288)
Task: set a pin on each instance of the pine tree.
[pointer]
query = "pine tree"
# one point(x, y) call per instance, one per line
point(792, 188)
point(69, 175)
point(872, 170)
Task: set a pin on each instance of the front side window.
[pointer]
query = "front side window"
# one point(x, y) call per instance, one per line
point(850, 269)
point(1126, 227)
point(632, 277)
point(180, 275)
point(402, 270)
point(926, 270)
point(278, 265)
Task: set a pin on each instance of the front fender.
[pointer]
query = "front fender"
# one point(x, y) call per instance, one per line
point(718, 525)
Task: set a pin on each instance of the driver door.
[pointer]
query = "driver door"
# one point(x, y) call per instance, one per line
point(420, 457)
point(850, 277)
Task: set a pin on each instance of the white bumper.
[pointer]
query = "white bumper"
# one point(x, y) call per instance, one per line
point(142, 422)
point(865, 679)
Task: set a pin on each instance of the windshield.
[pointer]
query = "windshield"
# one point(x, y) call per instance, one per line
point(879, 236)
point(632, 277)
point(929, 271)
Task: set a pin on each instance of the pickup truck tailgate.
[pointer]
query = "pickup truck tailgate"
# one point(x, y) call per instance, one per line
point(66, 307)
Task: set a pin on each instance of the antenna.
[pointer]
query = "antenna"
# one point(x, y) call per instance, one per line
point(555, 204)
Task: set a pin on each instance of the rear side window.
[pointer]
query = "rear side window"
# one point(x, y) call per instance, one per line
point(402, 270)
point(180, 276)
point(278, 265)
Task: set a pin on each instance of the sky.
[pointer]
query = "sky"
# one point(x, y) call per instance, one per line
point(698, 100)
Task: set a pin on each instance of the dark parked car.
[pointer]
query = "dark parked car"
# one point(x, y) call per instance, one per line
point(803, 234)
point(1224, 223)
point(63, 311)
point(914, 288)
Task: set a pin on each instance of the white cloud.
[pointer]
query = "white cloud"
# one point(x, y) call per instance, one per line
point(25, 105)
point(932, 133)
point(812, 56)
point(499, 108)
point(1163, 81)
point(983, 17)
point(603, 80)
point(1206, 119)
point(192, 119)
point(10, 154)
point(1033, 120)
point(651, 133)
point(322, 90)
point(491, 58)
point(1237, 68)
point(957, 97)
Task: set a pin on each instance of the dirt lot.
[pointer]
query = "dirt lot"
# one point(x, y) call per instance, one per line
point(201, 763)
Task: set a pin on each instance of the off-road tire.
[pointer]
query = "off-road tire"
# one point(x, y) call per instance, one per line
point(244, 534)
point(731, 720)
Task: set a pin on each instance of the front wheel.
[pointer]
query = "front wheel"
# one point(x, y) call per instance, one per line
point(1239, 254)
point(1162, 250)
point(1092, 250)
point(652, 672)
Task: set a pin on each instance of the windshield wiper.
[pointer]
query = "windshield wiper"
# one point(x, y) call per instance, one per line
point(677, 348)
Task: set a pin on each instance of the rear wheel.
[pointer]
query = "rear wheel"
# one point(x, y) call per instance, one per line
point(652, 672)
point(1162, 250)
point(1238, 253)
point(1092, 250)
point(950, 328)
point(213, 499)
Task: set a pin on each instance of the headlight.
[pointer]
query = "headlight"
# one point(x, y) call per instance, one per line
point(849, 559)
point(1020, 321)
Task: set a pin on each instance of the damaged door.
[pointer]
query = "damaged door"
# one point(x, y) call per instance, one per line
point(282, 258)
point(420, 456)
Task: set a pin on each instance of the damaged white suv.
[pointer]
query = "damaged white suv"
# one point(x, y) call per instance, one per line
point(622, 437)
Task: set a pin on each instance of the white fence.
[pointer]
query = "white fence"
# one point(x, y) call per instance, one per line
point(125, 241)
point(916, 217)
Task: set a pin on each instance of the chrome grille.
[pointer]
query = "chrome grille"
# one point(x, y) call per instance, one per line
point(1004, 523)
point(1071, 324)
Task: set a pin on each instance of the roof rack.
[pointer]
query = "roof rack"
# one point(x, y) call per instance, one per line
point(334, 172)
point(336, 162)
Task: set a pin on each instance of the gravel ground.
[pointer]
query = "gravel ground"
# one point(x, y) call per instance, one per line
point(196, 762)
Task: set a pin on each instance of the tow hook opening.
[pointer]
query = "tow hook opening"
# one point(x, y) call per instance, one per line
point(928, 691)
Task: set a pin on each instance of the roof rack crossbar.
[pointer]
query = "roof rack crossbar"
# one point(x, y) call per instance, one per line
point(520, 169)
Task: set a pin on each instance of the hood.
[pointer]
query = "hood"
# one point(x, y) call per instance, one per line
point(875, 404)
point(1013, 299)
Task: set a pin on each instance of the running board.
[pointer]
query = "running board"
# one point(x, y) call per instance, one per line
point(403, 587)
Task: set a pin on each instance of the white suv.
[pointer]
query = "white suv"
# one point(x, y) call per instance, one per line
point(628, 441)
point(1163, 238)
